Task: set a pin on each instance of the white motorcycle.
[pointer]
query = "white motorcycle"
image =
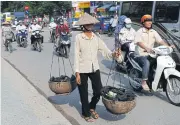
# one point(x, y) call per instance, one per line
point(162, 75)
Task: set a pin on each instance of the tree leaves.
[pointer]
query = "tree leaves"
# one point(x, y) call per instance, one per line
point(35, 7)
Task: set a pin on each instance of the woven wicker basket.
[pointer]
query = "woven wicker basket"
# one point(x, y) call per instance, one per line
point(60, 87)
point(118, 107)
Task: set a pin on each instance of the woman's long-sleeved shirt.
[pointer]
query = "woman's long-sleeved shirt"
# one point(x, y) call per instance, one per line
point(86, 53)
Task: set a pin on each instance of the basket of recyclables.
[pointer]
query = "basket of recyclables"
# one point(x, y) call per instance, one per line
point(62, 84)
point(118, 100)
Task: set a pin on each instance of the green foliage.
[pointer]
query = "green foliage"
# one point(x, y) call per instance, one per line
point(35, 7)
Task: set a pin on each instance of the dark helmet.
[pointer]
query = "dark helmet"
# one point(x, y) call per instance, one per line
point(60, 21)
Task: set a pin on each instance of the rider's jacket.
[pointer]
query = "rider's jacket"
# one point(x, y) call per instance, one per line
point(113, 22)
point(148, 37)
point(126, 35)
point(61, 28)
point(34, 27)
point(20, 27)
point(52, 25)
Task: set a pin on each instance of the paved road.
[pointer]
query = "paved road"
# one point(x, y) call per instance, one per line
point(22, 104)
point(155, 110)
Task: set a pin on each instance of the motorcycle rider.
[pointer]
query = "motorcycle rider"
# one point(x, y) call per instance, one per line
point(61, 27)
point(126, 37)
point(119, 26)
point(145, 39)
point(15, 21)
point(113, 22)
point(21, 26)
point(32, 28)
point(51, 26)
point(6, 30)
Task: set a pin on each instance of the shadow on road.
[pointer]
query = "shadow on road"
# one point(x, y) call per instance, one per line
point(104, 114)
point(74, 101)
point(107, 64)
point(161, 96)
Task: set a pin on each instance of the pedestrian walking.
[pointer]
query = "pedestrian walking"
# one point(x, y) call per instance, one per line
point(87, 45)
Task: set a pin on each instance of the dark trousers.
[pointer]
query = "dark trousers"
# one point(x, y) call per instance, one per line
point(83, 91)
point(33, 39)
point(125, 48)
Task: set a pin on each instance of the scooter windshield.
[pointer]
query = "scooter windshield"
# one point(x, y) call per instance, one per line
point(64, 37)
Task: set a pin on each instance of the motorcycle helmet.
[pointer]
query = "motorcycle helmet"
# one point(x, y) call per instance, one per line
point(146, 18)
point(20, 22)
point(34, 22)
point(61, 21)
point(128, 22)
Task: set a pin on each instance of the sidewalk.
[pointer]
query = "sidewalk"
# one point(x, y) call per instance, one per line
point(22, 104)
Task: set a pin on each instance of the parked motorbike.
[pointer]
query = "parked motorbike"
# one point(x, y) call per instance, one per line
point(163, 74)
point(38, 40)
point(63, 48)
point(23, 38)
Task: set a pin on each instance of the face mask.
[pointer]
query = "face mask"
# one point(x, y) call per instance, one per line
point(87, 29)
point(128, 26)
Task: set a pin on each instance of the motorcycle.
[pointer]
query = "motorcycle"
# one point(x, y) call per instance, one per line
point(162, 74)
point(23, 38)
point(38, 40)
point(8, 41)
point(63, 47)
point(111, 31)
point(53, 36)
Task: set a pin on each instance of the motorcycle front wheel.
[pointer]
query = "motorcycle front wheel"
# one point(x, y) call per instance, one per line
point(25, 43)
point(53, 38)
point(10, 47)
point(173, 96)
point(66, 48)
point(39, 46)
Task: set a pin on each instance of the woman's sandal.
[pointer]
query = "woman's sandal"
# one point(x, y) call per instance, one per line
point(94, 114)
point(88, 119)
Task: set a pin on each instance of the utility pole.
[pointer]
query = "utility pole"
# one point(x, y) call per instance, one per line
point(116, 8)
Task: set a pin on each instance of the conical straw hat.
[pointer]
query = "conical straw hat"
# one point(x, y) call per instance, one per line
point(87, 19)
point(5, 23)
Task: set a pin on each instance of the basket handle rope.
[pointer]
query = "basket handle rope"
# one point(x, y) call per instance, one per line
point(59, 67)
point(64, 66)
point(113, 62)
point(71, 65)
point(51, 65)
point(119, 46)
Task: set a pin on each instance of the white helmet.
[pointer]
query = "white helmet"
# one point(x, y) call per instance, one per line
point(127, 20)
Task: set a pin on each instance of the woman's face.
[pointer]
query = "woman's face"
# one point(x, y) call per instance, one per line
point(148, 24)
point(89, 27)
